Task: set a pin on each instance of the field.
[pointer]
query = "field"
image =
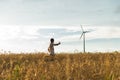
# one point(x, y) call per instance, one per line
point(79, 66)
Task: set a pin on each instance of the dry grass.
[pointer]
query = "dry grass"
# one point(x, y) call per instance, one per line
point(39, 66)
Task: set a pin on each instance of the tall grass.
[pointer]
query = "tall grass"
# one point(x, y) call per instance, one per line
point(39, 66)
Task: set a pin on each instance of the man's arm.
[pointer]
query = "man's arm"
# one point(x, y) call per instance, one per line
point(57, 44)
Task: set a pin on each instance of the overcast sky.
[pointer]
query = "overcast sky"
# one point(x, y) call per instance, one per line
point(27, 25)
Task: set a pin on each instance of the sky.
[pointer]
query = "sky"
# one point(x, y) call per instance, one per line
point(28, 25)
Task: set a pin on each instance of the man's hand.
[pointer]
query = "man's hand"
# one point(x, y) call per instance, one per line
point(59, 43)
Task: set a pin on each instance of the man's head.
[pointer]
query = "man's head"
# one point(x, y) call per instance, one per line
point(52, 40)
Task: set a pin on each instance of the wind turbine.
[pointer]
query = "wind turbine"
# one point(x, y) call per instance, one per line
point(83, 35)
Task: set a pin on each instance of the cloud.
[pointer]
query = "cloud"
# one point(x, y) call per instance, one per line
point(97, 32)
point(59, 32)
point(32, 37)
point(18, 32)
point(104, 33)
point(7, 32)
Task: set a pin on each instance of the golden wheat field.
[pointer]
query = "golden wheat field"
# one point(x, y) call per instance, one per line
point(64, 66)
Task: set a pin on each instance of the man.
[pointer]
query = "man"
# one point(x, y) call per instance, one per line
point(51, 47)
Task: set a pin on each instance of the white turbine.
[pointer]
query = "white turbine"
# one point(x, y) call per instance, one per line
point(83, 35)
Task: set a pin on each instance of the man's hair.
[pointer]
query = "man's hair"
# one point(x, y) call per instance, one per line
point(52, 40)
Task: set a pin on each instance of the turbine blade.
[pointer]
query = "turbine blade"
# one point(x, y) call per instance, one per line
point(87, 31)
point(81, 35)
point(82, 28)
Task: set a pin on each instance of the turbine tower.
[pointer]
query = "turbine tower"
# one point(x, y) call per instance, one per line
point(83, 35)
